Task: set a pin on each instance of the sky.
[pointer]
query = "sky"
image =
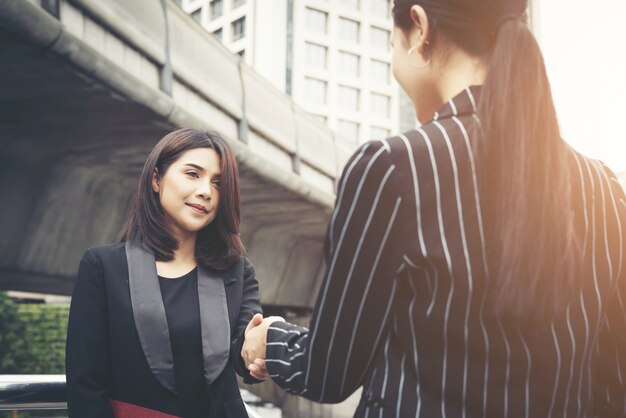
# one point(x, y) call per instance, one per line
point(584, 46)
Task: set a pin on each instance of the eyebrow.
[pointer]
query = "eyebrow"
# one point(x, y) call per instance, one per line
point(196, 166)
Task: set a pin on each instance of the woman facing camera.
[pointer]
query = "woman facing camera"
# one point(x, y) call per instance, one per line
point(475, 266)
point(156, 321)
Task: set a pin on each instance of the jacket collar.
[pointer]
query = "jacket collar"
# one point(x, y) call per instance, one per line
point(151, 322)
point(463, 104)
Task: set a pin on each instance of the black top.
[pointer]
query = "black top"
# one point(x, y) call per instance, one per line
point(182, 309)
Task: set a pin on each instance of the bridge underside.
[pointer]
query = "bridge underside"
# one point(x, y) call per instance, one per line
point(72, 151)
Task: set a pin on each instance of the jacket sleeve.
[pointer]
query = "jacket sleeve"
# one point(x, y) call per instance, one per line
point(352, 314)
point(87, 351)
point(610, 386)
point(250, 305)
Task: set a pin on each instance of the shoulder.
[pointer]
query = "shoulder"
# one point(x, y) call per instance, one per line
point(104, 253)
point(241, 267)
point(370, 157)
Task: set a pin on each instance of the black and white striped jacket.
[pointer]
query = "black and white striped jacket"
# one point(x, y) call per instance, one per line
point(402, 313)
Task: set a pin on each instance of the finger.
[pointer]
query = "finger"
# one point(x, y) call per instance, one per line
point(262, 375)
point(260, 363)
point(256, 320)
point(259, 376)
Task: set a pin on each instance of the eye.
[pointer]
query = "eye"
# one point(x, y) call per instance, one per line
point(217, 182)
point(193, 174)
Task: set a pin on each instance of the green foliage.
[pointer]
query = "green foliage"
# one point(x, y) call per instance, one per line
point(32, 341)
point(32, 337)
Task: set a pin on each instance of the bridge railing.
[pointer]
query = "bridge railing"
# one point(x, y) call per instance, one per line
point(27, 392)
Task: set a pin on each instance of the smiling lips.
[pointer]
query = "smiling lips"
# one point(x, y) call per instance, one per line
point(198, 208)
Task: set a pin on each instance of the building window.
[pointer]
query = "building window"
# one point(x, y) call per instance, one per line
point(379, 71)
point(316, 55)
point(316, 21)
point(315, 91)
point(348, 64)
point(239, 28)
point(379, 38)
point(379, 105)
point(197, 15)
point(378, 133)
point(218, 34)
point(380, 8)
point(216, 8)
point(349, 98)
point(237, 3)
point(353, 4)
point(349, 30)
point(349, 130)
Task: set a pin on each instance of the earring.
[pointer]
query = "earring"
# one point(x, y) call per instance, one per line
point(417, 67)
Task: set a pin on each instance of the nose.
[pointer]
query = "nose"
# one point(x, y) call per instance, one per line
point(205, 191)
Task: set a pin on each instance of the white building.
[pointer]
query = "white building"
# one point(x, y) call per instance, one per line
point(332, 56)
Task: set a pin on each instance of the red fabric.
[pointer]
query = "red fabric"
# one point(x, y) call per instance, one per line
point(128, 410)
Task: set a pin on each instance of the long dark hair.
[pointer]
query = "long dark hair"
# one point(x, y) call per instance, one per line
point(218, 245)
point(524, 173)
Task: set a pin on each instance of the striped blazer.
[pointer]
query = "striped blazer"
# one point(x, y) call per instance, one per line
point(401, 310)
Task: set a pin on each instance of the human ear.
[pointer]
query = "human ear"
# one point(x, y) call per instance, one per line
point(420, 34)
point(156, 187)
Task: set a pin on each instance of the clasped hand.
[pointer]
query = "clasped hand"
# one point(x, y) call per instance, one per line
point(253, 350)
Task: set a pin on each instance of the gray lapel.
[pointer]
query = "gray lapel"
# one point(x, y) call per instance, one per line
point(151, 322)
point(149, 314)
point(215, 321)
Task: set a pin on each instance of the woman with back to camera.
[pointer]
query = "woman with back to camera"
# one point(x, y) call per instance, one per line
point(156, 321)
point(475, 264)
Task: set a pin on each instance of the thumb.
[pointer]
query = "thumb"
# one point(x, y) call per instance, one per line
point(257, 319)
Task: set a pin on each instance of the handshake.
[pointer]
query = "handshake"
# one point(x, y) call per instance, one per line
point(253, 350)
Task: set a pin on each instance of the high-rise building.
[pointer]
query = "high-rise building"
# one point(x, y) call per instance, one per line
point(332, 57)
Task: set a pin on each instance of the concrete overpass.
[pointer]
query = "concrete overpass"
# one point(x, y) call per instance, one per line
point(89, 86)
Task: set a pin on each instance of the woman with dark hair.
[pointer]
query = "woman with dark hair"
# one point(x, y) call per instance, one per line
point(156, 321)
point(475, 264)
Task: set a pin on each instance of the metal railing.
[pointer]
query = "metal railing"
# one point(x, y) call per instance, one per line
point(21, 392)
point(32, 391)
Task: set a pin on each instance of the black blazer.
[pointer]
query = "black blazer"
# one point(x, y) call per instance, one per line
point(118, 342)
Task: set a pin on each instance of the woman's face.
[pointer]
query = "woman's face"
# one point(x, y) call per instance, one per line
point(189, 191)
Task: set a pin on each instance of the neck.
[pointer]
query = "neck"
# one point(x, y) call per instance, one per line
point(186, 251)
point(451, 75)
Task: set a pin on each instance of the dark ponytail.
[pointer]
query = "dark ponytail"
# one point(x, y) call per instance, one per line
point(525, 179)
point(523, 162)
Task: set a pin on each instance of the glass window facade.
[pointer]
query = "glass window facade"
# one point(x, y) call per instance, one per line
point(379, 71)
point(353, 4)
point(378, 133)
point(239, 28)
point(379, 105)
point(349, 130)
point(316, 21)
point(216, 8)
point(379, 38)
point(316, 55)
point(348, 64)
point(348, 98)
point(315, 91)
point(349, 30)
point(380, 8)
